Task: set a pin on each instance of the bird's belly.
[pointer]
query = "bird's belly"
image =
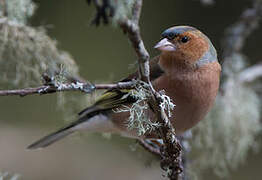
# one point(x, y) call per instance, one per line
point(192, 100)
point(186, 115)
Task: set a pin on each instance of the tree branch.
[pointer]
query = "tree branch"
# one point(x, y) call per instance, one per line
point(236, 34)
point(104, 11)
point(171, 151)
point(133, 32)
point(251, 73)
point(75, 86)
point(171, 160)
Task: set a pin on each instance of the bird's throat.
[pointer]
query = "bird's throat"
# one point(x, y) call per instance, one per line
point(168, 61)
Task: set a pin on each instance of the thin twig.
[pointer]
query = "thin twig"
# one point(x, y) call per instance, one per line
point(251, 73)
point(104, 10)
point(119, 85)
point(236, 34)
point(83, 87)
point(133, 32)
point(26, 91)
point(137, 11)
point(131, 27)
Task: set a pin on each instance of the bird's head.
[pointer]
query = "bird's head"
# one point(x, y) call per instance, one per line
point(186, 44)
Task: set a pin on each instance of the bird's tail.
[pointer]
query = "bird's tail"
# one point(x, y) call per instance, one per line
point(85, 116)
point(51, 138)
point(63, 132)
point(88, 118)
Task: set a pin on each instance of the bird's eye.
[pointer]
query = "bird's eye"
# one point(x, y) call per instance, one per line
point(184, 39)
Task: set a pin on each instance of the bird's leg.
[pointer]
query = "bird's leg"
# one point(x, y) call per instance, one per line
point(150, 145)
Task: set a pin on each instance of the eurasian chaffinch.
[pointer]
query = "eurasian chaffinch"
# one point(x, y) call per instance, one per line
point(187, 70)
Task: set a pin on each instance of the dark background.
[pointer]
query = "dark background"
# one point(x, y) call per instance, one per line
point(104, 54)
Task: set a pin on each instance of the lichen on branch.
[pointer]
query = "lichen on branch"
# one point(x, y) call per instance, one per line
point(17, 11)
point(26, 53)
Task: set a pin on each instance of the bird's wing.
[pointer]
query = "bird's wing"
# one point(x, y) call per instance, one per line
point(109, 100)
point(155, 71)
point(116, 97)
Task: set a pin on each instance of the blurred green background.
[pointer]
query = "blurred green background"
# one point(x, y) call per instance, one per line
point(104, 54)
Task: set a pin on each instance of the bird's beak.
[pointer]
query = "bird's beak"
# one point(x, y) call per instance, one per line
point(165, 45)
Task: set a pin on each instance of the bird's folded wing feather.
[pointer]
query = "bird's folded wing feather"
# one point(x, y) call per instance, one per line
point(116, 97)
point(155, 71)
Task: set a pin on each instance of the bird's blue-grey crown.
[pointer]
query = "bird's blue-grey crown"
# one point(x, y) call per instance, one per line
point(172, 32)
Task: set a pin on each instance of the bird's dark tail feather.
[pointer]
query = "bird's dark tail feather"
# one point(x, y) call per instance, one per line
point(53, 137)
point(50, 139)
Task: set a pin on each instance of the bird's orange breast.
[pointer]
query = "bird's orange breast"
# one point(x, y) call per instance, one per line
point(192, 90)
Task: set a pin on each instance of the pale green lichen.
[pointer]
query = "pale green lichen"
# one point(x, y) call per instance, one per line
point(17, 11)
point(123, 9)
point(139, 119)
point(223, 140)
point(167, 104)
point(139, 111)
point(26, 53)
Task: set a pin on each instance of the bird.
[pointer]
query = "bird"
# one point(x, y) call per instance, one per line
point(187, 69)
